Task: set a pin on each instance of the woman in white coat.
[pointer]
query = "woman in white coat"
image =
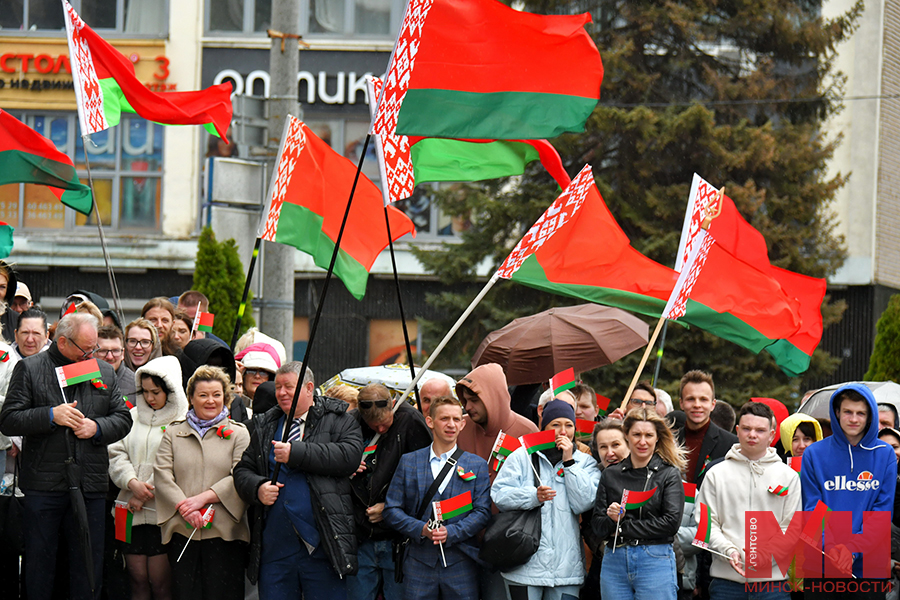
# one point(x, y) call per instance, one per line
point(570, 478)
point(159, 402)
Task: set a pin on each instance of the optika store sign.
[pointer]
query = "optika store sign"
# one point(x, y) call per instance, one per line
point(340, 88)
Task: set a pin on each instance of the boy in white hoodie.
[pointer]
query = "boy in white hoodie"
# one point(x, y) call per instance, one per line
point(751, 477)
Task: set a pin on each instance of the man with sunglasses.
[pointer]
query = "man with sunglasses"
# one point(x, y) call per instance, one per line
point(399, 432)
point(111, 348)
point(67, 431)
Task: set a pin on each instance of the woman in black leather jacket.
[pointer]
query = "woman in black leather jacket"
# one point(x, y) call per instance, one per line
point(645, 532)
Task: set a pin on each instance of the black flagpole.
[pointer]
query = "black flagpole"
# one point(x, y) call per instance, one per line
point(315, 323)
point(409, 355)
point(240, 315)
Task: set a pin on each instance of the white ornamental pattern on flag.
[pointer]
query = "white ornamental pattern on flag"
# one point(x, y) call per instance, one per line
point(400, 68)
point(87, 84)
point(293, 144)
point(394, 159)
point(555, 217)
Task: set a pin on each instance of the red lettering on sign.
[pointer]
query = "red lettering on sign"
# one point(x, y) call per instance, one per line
point(43, 63)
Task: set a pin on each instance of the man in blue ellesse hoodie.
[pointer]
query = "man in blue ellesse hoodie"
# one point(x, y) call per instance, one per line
point(852, 470)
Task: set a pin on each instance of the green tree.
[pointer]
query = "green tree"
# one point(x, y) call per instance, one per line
point(884, 365)
point(220, 276)
point(736, 92)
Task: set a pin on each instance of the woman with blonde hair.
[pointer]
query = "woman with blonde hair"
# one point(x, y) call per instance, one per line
point(141, 343)
point(195, 493)
point(648, 522)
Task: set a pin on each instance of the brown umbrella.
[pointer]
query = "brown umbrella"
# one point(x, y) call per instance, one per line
point(533, 349)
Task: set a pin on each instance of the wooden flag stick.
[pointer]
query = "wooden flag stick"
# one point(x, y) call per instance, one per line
point(647, 350)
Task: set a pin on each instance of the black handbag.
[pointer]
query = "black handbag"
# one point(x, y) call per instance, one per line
point(11, 535)
point(512, 537)
point(399, 547)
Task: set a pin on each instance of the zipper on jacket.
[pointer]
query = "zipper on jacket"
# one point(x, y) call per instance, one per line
point(646, 483)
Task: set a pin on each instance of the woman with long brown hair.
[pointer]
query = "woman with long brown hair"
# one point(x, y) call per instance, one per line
point(646, 523)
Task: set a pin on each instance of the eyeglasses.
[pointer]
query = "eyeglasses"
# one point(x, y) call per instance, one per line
point(133, 343)
point(367, 404)
point(108, 352)
point(84, 353)
point(636, 402)
point(257, 372)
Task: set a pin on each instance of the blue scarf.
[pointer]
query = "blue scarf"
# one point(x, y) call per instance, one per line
point(201, 426)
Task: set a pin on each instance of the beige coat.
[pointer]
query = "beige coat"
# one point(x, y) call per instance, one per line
point(200, 465)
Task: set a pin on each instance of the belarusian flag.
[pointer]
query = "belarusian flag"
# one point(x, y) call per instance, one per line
point(584, 428)
point(406, 161)
point(704, 528)
point(28, 157)
point(505, 445)
point(539, 440)
point(795, 462)
point(452, 507)
point(731, 299)
point(78, 372)
point(602, 404)
point(370, 450)
point(632, 499)
point(477, 69)
point(778, 490)
point(124, 517)
point(812, 531)
point(306, 202)
point(203, 321)
point(105, 87)
point(562, 381)
point(206, 518)
point(690, 491)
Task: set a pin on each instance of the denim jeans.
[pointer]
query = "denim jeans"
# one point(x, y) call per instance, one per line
point(725, 589)
point(376, 566)
point(639, 573)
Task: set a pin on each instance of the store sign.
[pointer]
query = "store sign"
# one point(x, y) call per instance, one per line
point(329, 88)
point(35, 73)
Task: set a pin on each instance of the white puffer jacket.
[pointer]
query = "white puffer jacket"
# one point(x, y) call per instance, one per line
point(133, 456)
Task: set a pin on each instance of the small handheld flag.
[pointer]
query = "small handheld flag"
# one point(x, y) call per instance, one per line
point(452, 507)
point(72, 309)
point(206, 518)
point(77, 372)
point(690, 491)
point(795, 462)
point(203, 322)
point(124, 518)
point(584, 428)
point(505, 445)
point(704, 528)
point(635, 499)
point(812, 531)
point(369, 450)
point(602, 405)
point(540, 440)
point(563, 381)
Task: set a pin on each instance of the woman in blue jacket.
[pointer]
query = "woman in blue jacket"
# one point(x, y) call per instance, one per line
point(570, 478)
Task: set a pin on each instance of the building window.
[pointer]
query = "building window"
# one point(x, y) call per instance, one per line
point(331, 18)
point(141, 17)
point(126, 164)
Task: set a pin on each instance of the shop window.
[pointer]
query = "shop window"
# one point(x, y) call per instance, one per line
point(341, 18)
point(141, 17)
point(126, 165)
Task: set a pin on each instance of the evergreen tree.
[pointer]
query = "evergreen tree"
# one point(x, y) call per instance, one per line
point(736, 92)
point(884, 365)
point(220, 276)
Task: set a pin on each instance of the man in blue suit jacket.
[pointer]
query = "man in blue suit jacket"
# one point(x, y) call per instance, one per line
point(424, 572)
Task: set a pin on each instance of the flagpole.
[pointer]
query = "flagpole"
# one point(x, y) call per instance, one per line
point(440, 346)
point(647, 350)
point(113, 286)
point(240, 314)
point(659, 353)
point(409, 355)
point(621, 512)
point(202, 516)
point(315, 324)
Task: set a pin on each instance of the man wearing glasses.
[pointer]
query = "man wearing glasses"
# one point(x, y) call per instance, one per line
point(67, 431)
point(111, 348)
point(399, 433)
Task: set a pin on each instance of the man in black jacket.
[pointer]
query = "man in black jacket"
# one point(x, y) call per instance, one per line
point(302, 530)
point(67, 431)
point(399, 433)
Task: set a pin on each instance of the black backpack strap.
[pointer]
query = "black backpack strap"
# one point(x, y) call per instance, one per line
point(426, 499)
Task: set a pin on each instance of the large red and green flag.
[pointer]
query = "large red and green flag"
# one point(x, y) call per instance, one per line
point(405, 161)
point(704, 528)
point(632, 499)
point(452, 507)
point(731, 298)
point(478, 69)
point(539, 440)
point(28, 157)
point(78, 372)
point(562, 381)
point(203, 321)
point(124, 518)
point(106, 86)
point(307, 198)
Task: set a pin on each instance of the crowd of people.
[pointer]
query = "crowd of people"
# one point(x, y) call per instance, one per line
point(169, 459)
